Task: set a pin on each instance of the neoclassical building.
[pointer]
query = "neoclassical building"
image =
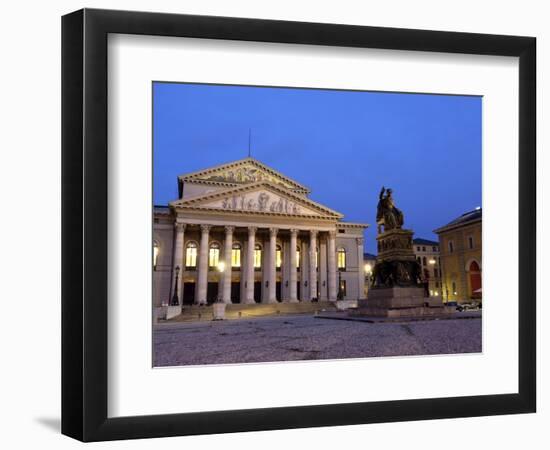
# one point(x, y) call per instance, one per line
point(242, 232)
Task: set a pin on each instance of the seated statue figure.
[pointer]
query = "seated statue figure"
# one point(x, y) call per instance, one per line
point(387, 214)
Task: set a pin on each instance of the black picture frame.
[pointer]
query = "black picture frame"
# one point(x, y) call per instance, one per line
point(84, 224)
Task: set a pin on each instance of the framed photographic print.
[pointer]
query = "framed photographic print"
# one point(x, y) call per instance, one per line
point(273, 224)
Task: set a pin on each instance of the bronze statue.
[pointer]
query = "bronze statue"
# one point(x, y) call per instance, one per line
point(387, 214)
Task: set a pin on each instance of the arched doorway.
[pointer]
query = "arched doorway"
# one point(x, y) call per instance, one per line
point(475, 280)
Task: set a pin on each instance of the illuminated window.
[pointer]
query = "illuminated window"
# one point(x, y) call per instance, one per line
point(341, 258)
point(278, 257)
point(317, 258)
point(191, 255)
point(214, 255)
point(257, 256)
point(155, 254)
point(236, 255)
point(297, 257)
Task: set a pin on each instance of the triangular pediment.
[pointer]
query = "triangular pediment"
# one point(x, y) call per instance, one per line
point(258, 198)
point(243, 171)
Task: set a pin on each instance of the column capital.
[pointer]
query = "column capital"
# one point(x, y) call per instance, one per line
point(332, 234)
point(205, 228)
point(273, 232)
point(252, 230)
point(360, 241)
point(294, 232)
point(229, 229)
point(313, 233)
point(179, 226)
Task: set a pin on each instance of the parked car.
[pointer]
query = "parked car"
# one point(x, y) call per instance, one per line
point(470, 306)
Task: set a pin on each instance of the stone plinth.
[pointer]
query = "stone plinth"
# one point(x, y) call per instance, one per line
point(400, 302)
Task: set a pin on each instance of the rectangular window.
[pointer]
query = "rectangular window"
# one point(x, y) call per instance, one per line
point(470, 242)
point(236, 257)
point(297, 259)
point(434, 249)
point(451, 247)
point(342, 260)
point(436, 274)
point(257, 259)
point(191, 257)
point(423, 249)
point(278, 258)
point(214, 257)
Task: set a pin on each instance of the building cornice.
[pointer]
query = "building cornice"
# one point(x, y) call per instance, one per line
point(194, 201)
point(195, 176)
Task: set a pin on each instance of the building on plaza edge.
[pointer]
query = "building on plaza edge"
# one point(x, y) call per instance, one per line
point(460, 252)
point(427, 255)
point(242, 232)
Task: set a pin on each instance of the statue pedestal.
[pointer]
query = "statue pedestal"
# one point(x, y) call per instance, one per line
point(400, 302)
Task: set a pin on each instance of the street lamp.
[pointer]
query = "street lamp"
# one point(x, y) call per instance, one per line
point(175, 298)
point(340, 293)
point(368, 273)
point(221, 266)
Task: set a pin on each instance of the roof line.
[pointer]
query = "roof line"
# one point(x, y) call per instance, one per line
point(250, 186)
point(250, 159)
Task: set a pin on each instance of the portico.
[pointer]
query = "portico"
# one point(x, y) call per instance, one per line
point(243, 233)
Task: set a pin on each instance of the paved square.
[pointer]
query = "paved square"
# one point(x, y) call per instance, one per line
point(293, 338)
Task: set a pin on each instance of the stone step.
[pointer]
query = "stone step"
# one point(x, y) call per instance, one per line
point(237, 311)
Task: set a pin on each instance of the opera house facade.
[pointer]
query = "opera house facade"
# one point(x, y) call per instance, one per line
point(242, 232)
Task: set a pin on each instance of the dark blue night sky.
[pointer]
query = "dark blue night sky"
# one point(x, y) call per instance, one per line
point(343, 145)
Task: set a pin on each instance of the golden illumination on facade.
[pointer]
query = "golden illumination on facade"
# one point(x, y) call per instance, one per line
point(257, 256)
point(155, 255)
point(191, 255)
point(341, 258)
point(298, 257)
point(278, 257)
point(236, 255)
point(214, 255)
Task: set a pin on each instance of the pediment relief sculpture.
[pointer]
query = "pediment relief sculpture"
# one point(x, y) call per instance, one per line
point(246, 175)
point(263, 202)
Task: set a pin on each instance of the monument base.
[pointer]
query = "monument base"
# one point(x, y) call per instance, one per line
point(400, 302)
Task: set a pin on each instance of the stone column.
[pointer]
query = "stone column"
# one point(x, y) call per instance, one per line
point(179, 229)
point(226, 283)
point(293, 272)
point(313, 264)
point(202, 284)
point(250, 265)
point(272, 266)
point(332, 266)
point(323, 288)
point(361, 269)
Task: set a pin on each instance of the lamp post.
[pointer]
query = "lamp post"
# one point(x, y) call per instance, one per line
point(368, 273)
point(340, 293)
point(431, 262)
point(175, 299)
